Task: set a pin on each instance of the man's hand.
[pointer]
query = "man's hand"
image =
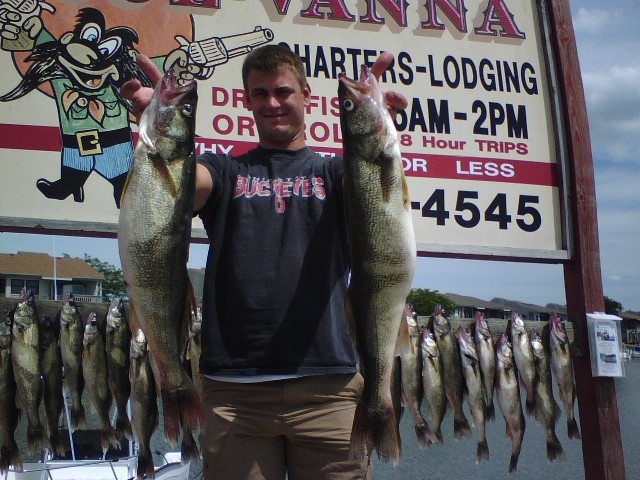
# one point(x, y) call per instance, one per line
point(395, 100)
point(133, 90)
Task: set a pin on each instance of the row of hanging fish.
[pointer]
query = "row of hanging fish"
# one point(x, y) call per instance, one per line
point(444, 368)
point(106, 356)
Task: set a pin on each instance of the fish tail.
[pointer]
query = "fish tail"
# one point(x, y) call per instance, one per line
point(123, 424)
point(530, 405)
point(386, 437)
point(10, 455)
point(109, 438)
point(572, 428)
point(461, 427)
point(513, 463)
point(438, 432)
point(490, 412)
point(425, 435)
point(35, 439)
point(482, 452)
point(145, 466)
point(189, 448)
point(361, 435)
point(555, 450)
point(55, 439)
point(78, 418)
point(190, 406)
point(170, 406)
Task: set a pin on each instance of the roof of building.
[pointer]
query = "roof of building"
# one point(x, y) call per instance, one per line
point(503, 304)
point(42, 265)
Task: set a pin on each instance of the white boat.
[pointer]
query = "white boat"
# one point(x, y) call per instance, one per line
point(112, 469)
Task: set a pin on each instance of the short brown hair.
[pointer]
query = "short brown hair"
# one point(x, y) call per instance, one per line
point(271, 59)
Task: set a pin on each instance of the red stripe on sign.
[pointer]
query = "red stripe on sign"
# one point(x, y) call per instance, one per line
point(480, 169)
point(30, 137)
point(46, 138)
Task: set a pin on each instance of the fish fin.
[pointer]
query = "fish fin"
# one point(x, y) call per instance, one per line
point(530, 405)
point(555, 450)
point(145, 466)
point(78, 418)
point(36, 438)
point(490, 412)
point(55, 440)
point(10, 455)
point(182, 408)
point(123, 424)
point(189, 448)
point(109, 437)
point(361, 435)
point(406, 197)
point(572, 429)
point(461, 427)
point(351, 322)
point(513, 463)
point(482, 452)
point(426, 437)
point(165, 174)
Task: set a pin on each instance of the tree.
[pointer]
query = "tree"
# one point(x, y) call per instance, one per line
point(113, 285)
point(611, 306)
point(424, 301)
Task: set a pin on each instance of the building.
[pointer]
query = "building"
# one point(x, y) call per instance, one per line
point(48, 277)
point(500, 308)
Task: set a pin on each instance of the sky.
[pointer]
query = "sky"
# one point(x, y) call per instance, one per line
point(608, 40)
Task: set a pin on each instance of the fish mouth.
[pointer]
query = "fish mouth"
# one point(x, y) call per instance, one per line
point(172, 90)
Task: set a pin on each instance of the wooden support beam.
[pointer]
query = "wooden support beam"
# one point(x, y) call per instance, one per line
point(597, 402)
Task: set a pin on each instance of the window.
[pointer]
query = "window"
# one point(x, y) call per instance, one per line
point(17, 284)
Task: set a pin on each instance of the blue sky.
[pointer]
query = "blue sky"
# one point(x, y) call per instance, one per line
point(608, 41)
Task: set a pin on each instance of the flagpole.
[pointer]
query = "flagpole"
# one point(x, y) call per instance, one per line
point(55, 271)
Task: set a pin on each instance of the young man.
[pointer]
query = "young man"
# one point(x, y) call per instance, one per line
point(281, 382)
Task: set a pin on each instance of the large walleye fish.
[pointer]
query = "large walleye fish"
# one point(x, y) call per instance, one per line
point(487, 356)
point(433, 381)
point(118, 344)
point(508, 393)
point(452, 370)
point(71, 336)
point(562, 369)
point(25, 355)
point(547, 410)
point(9, 413)
point(523, 356)
point(51, 369)
point(143, 401)
point(410, 354)
point(475, 395)
point(154, 233)
point(94, 370)
point(383, 254)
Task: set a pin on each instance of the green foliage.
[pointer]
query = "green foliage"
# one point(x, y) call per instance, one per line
point(113, 285)
point(612, 306)
point(424, 301)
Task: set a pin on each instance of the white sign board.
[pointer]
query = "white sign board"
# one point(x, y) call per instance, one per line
point(478, 138)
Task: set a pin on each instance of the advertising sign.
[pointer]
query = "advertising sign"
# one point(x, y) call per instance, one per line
point(479, 140)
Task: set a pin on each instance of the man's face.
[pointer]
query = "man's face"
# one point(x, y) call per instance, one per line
point(278, 103)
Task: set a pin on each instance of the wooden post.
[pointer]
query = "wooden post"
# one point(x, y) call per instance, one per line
point(597, 402)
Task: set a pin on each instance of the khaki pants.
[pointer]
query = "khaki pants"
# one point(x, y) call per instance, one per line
point(298, 427)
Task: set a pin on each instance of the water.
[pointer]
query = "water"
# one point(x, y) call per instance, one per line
point(455, 459)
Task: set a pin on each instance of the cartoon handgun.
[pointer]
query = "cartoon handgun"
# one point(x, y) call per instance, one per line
point(201, 57)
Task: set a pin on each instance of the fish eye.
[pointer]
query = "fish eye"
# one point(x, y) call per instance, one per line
point(91, 32)
point(348, 105)
point(109, 46)
point(187, 109)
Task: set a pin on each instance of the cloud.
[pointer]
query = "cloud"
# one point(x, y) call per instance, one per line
point(592, 20)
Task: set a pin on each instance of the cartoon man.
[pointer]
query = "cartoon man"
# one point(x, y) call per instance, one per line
point(86, 67)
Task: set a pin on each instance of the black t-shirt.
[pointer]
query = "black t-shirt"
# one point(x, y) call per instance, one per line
point(276, 276)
